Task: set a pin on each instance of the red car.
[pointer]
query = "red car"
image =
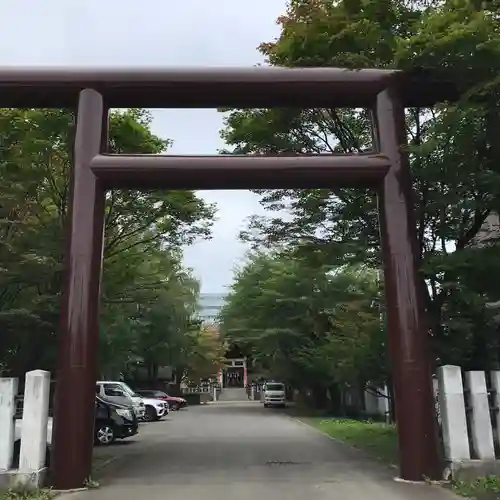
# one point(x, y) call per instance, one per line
point(174, 402)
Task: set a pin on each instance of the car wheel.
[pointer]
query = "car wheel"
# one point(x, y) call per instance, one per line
point(150, 414)
point(266, 405)
point(174, 406)
point(104, 434)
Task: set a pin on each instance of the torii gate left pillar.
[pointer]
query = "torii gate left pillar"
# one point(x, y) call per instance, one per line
point(78, 344)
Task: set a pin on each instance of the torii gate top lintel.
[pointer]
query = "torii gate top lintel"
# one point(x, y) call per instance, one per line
point(212, 87)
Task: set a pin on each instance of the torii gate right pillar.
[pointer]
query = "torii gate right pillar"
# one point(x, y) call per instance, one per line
point(407, 331)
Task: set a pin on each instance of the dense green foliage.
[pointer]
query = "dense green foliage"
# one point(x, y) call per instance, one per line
point(147, 297)
point(317, 327)
point(455, 157)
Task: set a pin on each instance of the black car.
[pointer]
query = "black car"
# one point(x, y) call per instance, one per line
point(113, 421)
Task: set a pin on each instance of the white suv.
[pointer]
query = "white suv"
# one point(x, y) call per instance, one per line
point(274, 394)
point(155, 409)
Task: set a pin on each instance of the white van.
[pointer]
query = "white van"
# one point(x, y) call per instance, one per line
point(121, 393)
point(274, 394)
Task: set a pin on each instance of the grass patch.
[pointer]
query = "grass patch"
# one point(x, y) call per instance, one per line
point(26, 494)
point(378, 439)
point(483, 488)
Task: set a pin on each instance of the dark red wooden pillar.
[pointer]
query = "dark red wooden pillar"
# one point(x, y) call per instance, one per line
point(407, 330)
point(79, 329)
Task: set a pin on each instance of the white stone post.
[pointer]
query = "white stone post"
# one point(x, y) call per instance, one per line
point(35, 420)
point(371, 402)
point(252, 392)
point(495, 382)
point(383, 402)
point(215, 393)
point(8, 393)
point(453, 416)
point(480, 420)
point(435, 388)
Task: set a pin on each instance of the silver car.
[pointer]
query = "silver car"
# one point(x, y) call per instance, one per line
point(121, 393)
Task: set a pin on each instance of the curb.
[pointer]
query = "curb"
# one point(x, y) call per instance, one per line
point(105, 463)
point(73, 490)
point(442, 482)
point(343, 443)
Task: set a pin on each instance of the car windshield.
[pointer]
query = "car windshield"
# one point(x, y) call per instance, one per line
point(275, 387)
point(128, 390)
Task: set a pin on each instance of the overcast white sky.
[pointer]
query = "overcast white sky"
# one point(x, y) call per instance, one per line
point(156, 33)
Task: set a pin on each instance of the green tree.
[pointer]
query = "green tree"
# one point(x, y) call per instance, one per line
point(207, 355)
point(317, 327)
point(35, 158)
point(153, 308)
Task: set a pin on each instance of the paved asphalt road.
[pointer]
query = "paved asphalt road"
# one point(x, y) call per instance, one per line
point(240, 451)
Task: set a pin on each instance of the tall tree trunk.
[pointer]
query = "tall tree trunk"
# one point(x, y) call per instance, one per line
point(320, 400)
point(335, 399)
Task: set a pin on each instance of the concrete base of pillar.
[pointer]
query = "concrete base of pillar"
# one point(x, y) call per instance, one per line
point(15, 479)
point(467, 470)
point(464, 470)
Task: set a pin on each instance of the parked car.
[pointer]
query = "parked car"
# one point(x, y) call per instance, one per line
point(274, 394)
point(155, 409)
point(174, 402)
point(112, 421)
point(120, 393)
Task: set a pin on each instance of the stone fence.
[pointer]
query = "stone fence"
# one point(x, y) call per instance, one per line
point(207, 391)
point(468, 414)
point(255, 391)
point(470, 420)
point(376, 402)
point(23, 441)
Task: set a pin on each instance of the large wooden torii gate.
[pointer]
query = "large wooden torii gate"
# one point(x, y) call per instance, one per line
point(92, 92)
